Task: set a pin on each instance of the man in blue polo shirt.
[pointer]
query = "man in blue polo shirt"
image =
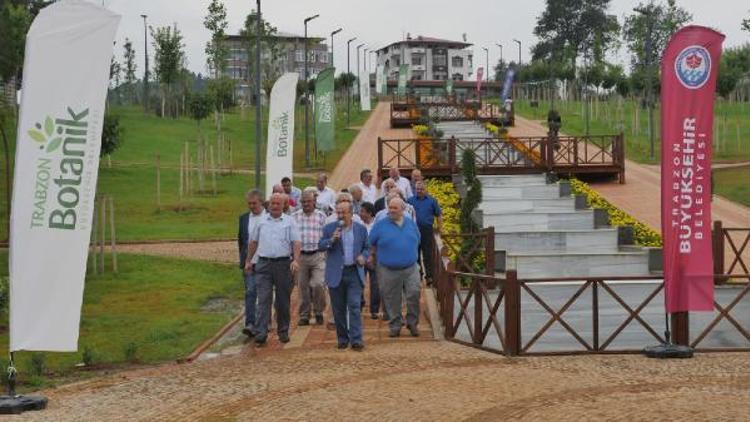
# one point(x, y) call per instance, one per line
point(393, 244)
point(427, 210)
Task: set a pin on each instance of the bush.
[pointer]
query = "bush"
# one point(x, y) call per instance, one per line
point(4, 295)
point(87, 357)
point(112, 134)
point(131, 352)
point(644, 235)
point(38, 364)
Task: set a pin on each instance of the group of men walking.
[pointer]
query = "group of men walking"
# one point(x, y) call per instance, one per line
point(330, 245)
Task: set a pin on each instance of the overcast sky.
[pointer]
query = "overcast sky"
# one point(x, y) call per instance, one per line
point(380, 22)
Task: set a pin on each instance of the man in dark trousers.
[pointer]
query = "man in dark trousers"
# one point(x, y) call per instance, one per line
point(347, 247)
point(427, 210)
point(276, 240)
point(248, 221)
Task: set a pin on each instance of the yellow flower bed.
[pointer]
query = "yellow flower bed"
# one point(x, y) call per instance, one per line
point(447, 197)
point(427, 156)
point(420, 130)
point(518, 145)
point(644, 235)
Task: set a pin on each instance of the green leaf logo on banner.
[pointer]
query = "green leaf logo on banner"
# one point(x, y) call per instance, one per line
point(325, 111)
point(54, 144)
point(37, 136)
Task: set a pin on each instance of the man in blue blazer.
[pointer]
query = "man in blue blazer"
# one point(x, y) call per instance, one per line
point(248, 221)
point(348, 249)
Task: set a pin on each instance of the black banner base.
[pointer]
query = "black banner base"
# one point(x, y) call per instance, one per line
point(13, 405)
point(669, 351)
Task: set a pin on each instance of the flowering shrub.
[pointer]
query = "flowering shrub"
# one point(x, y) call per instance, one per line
point(502, 133)
point(421, 130)
point(448, 199)
point(644, 235)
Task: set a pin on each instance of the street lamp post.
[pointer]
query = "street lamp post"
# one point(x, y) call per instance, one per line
point(647, 64)
point(307, 99)
point(357, 73)
point(332, 34)
point(348, 85)
point(145, 71)
point(501, 50)
point(258, 123)
point(486, 64)
point(519, 51)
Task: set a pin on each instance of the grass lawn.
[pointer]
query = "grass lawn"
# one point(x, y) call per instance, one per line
point(132, 178)
point(154, 306)
point(734, 184)
point(731, 138)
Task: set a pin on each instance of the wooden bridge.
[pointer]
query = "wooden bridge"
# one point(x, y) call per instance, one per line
point(564, 155)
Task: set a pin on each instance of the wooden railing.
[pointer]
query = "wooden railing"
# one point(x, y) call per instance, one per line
point(492, 313)
point(406, 114)
point(567, 155)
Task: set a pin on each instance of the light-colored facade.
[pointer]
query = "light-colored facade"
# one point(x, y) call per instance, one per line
point(290, 58)
point(429, 59)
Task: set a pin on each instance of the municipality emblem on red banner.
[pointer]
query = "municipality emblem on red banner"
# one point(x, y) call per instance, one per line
point(693, 66)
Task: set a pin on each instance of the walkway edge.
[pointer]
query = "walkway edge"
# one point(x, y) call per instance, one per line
point(433, 314)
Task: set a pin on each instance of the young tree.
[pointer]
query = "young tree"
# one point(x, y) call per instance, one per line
point(169, 58)
point(129, 68)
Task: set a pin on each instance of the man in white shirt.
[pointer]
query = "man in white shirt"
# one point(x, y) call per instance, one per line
point(401, 182)
point(326, 200)
point(369, 190)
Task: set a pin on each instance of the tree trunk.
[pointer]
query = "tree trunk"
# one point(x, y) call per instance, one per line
point(6, 149)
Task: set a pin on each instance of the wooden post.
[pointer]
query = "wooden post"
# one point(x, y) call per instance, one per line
point(103, 224)
point(182, 175)
point(231, 165)
point(187, 169)
point(112, 240)
point(450, 296)
point(213, 169)
point(94, 239)
point(200, 166)
point(158, 183)
point(478, 311)
point(489, 251)
point(512, 314)
point(717, 240)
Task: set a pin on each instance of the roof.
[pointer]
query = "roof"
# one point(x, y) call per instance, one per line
point(421, 40)
point(279, 34)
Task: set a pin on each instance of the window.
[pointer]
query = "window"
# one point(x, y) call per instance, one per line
point(311, 57)
point(324, 57)
point(439, 61)
point(416, 60)
point(457, 77)
point(457, 61)
point(299, 56)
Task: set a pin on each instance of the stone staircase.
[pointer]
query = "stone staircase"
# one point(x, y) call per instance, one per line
point(542, 231)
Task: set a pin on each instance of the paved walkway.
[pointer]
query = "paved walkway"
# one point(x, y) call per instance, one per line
point(363, 153)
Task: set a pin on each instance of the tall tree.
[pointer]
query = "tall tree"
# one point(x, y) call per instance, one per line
point(660, 20)
point(14, 23)
point(216, 49)
point(169, 58)
point(270, 51)
point(746, 24)
point(568, 29)
point(129, 68)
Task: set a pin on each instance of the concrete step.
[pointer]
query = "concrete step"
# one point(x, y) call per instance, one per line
point(519, 180)
point(539, 221)
point(499, 206)
point(531, 191)
point(567, 241)
point(589, 264)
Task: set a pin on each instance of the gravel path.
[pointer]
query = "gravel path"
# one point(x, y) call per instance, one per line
point(430, 381)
